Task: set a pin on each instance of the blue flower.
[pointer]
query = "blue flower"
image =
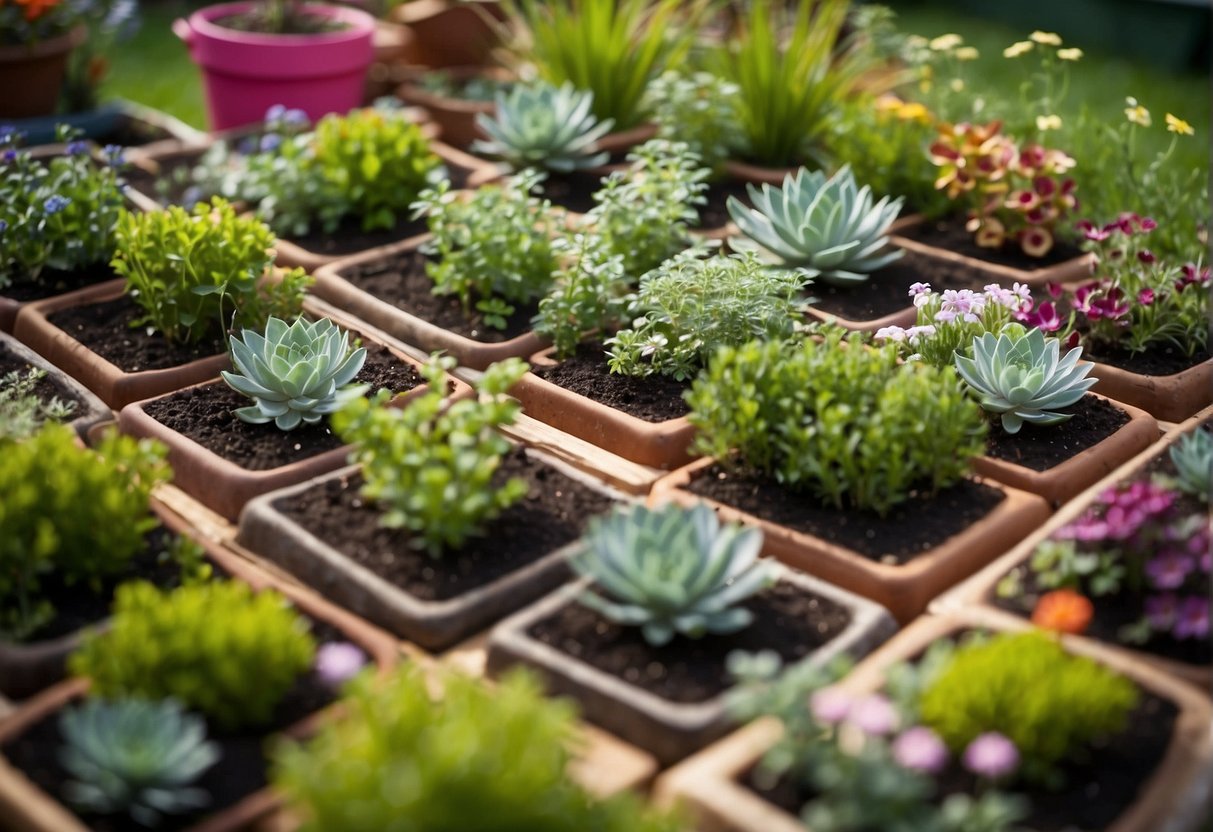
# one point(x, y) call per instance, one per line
point(274, 113)
point(3, 226)
point(270, 142)
point(9, 133)
point(10, 155)
point(77, 148)
point(114, 154)
point(54, 204)
point(295, 118)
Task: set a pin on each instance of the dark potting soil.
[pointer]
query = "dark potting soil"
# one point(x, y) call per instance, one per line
point(131, 132)
point(401, 280)
point(913, 527)
point(714, 213)
point(653, 398)
point(553, 513)
point(950, 234)
point(1097, 789)
point(888, 290)
point(787, 619)
point(349, 236)
point(105, 328)
point(1159, 360)
point(572, 191)
point(46, 388)
point(56, 282)
point(171, 184)
point(1041, 447)
point(207, 416)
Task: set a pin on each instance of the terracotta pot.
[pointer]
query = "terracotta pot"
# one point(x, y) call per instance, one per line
point(709, 784)
point(659, 444)
point(905, 589)
point(90, 410)
point(979, 591)
point(31, 75)
point(668, 730)
point(428, 337)
point(449, 33)
point(113, 386)
point(1064, 481)
point(455, 117)
point(1170, 398)
point(758, 174)
point(904, 318)
point(432, 625)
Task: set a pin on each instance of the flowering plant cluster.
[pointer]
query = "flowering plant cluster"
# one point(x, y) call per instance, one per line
point(948, 321)
point(30, 21)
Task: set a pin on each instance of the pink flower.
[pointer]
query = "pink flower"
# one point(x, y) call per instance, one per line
point(917, 289)
point(874, 715)
point(1044, 317)
point(1145, 297)
point(916, 332)
point(1055, 290)
point(1148, 224)
point(338, 661)
point(830, 705)
point(991, 755)
point(920, 749)
point(1193, 618)
point(890, 333)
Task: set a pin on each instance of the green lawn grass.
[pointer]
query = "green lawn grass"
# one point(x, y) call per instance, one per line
point(154, 67)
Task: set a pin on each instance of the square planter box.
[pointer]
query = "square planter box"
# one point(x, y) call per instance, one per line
point(905, 589)
point(1170, 398)
point(1173, 798)
point(667, 729)
point(89, 411)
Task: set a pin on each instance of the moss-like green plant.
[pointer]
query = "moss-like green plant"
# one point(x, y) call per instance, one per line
point(194, 273)
point(404, 758)
point(836, 419)
point(1025, 686)
point(73, 513)
point(430, 466)
point(217, 647)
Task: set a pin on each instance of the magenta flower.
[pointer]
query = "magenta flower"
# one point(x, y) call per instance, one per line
point(1146, 256)
point(874, 715)
point(920, 749)
point(337, 662)
point(1148, 224)
point(1169, 569)
point(1043, 317)
point(1145, 297)
point(830, 705)
point(991, 755)
point(1193, 618)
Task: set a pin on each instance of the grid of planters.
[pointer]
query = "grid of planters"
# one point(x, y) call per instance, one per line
point(700, 437)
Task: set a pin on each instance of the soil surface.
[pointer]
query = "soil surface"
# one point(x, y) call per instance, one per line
point(46, 388)
point(1160, 360)
point(715, 212)
point(787, 619)
point(349, 237)
point(572, 191)
point(950, 234)
point(401, 280)
point(206, 415)
point(57, 282)
point(105, 328)
point(888, 290)
point(653, 398)
point(553, 513)
point(913, 527)
point(1041, 447)
point(172, 184)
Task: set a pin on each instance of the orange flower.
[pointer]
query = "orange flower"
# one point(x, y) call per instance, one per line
point(35, 8)
point(1063, 610)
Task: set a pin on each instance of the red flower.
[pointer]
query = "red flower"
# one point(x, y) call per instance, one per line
point(1146, 256)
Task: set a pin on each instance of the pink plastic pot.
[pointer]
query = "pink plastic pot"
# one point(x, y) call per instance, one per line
point(246, 73)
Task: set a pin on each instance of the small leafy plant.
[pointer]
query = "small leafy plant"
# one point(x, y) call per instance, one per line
point(135, 757)
point(827, 228)
point(699, 109)
point(672, 570)
point(295, 373)
point(217, 647)
point(191, 272)
point(22, 411)
point(1192, 457)
point(590, 293)
point(543, 126)
point(431, 466)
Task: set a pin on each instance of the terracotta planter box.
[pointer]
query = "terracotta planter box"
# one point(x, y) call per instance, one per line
point(709, 784)
point(1064, 481)
point(904, 318)
point(905, 589)
point(113, 386)
point(89, 411)
point(758, 174)
point(433, 625)
point(669, 730)
point(455, 117)
point(428, 337)
point(1168, 398)
point(450, 33)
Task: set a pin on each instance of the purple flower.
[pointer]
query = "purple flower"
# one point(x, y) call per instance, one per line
point(54, 204)
point(295, 118)
point(917, 289)
point(1043, 317)
point(338, 661)
point(3, 226)
point(874, 715)
point(920, 749)
point(1169, 569)
point(991, 755)
point(9, 155)
point(1146, 296)
point(77, 148)
point(1161, 611)
point(114, 155)
point(830, 705)
point(916, 332)
point(270, 142)
point(1193, 618)
point(275, 112)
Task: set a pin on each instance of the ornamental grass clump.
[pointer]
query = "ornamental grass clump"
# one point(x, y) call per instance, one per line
point(217, 647)
point(672, 571)
point(843, 423)
point(430, 466)
point(543, 126)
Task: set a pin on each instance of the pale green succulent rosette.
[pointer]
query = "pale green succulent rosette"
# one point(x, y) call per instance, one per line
point(1192, 457)
point(544, 126)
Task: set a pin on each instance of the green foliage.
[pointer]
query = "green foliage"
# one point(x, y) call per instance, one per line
point(71, 513)
point(672, 570)
point(842, 422)
point(134, 757)
point(1192, 457)
point(611, 48)
point(1026, 687)
point(827, 228)
point(190, 271)
point(495, 246)
point(431, 466)
point(1058, 564)
point(56, 213)
point(589, 293)
point(218, 647)
point(473, 757)
point(539, 125)
point(793, 68)
point(699, 109)
point(1023, 378)
point(22, 412)
point(295, 373)
point(688, 307)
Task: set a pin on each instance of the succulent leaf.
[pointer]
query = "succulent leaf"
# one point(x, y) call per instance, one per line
point(544, 126)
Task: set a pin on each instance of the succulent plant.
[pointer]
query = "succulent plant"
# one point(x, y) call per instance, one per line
point(1023, 378)
point(1192, 457)
point(672, 570)
point(294, 373)
point(135, 756)
point(544, 126)
point(827, 228)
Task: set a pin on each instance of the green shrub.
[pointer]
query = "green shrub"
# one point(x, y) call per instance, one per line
point(193, 273)
point(1025, 686)
point(700, 109)
point(217, 647)
point(475, 757)
point(22, 412)
point(430, 466)
point(76, 514)
point(840, 421)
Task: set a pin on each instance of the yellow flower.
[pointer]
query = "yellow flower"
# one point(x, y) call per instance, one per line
point(1023, 47)
point(888, 103)
point(1136, 113)
point(1052, 122)
point(1045, 38)
point(943, 43)
point(1178, 125)
point(1071, 54)
point(957, 84)
point(914, 112)
point(967, 53)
